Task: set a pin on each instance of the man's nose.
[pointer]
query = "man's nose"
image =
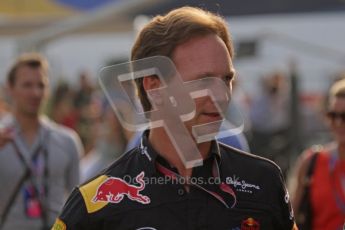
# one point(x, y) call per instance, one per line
point(37, 91)
point(338, 121)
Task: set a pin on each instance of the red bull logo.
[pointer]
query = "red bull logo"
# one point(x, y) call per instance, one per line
point(114, 189)
point(250, 224)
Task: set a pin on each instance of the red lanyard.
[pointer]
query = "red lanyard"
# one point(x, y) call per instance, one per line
point(215, 173)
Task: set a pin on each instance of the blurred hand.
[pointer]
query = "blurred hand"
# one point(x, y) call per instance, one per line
point(6, 135)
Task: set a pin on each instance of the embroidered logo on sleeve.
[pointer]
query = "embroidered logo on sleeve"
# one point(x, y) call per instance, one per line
point(59, 225)
point(114, 189)
point(104, 190)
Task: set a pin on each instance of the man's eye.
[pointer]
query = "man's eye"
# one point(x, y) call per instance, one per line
point(27, 85)
point(41, 85)
point(228, 79)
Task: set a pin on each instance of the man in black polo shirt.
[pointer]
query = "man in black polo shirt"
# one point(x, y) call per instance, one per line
point(150, 187)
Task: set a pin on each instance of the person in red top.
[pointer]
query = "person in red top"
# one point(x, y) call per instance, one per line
point(321, 173)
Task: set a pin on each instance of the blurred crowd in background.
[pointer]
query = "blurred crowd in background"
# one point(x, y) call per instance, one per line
point(269, 123)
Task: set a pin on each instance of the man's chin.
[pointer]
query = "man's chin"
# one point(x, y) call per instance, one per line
point(32, 112)
point(211, 118)
point(206, 131)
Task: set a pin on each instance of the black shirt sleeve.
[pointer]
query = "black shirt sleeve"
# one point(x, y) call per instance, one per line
point(73, 215)
point(284, 215)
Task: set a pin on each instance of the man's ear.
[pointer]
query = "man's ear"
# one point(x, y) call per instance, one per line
point(8, 92)
point(151, 82)
point(8, 89)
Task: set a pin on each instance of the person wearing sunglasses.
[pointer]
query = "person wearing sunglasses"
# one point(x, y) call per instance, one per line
point(319, 200)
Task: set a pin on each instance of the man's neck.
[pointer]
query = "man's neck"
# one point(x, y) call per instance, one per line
point(29, 125)
point(160, 141)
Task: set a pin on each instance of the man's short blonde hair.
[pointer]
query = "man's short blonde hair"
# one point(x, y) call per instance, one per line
point(337, 89)
point(164, 33)
point(33, 60)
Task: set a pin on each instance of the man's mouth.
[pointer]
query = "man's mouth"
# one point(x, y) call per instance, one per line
point(35, 102)
point(213, 115)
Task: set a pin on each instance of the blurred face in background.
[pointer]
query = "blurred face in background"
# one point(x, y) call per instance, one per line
point(336, 118)
point(29, 90)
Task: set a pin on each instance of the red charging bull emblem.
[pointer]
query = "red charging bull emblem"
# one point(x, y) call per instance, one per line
point(250, 224)
point(114, 189)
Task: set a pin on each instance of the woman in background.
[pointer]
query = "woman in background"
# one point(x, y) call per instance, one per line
point(319, 200)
